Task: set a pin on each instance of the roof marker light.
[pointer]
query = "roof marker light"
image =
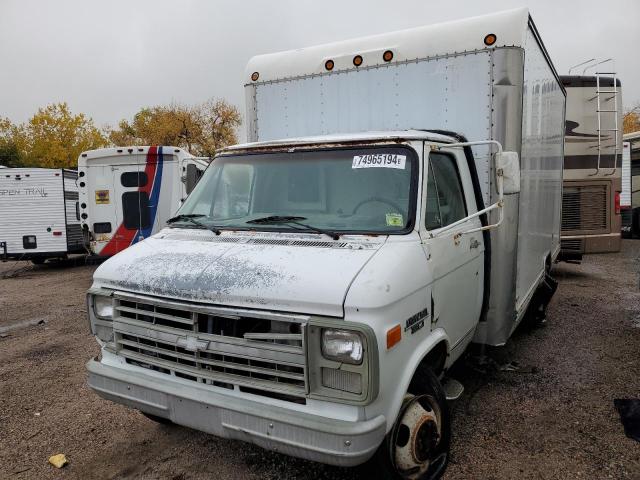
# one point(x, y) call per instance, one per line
point(490, 39)
point(387, 56)
point(329, 65)
point(255, 76)
point(357, 60)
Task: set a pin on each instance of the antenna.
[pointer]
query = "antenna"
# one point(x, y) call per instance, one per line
point(580, 64)
point(596, 64)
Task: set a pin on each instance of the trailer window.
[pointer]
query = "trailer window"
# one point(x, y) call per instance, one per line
point(133, 179)
point(445, 197)
point(135, 210)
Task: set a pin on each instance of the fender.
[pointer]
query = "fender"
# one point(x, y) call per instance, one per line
point(434, 338)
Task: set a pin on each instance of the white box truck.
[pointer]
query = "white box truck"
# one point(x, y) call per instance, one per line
point(39, 217)
point(317, 284)
point(128, 193)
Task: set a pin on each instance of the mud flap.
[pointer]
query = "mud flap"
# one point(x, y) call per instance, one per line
point(541, 299)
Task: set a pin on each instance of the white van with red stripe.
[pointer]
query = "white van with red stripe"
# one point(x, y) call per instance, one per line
point(128, 193)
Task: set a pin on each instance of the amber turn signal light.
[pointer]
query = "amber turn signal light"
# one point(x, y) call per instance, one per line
point(329, 65)
point(394, 335)
point(387, 56)
point(357, 60)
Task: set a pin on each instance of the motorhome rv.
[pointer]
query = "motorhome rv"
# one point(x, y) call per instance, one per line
point(592, 165)
point(128, 193)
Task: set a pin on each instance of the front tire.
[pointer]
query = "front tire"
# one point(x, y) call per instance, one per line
point(417, 447)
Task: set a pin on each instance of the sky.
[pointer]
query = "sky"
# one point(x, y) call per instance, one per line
point(108, 59)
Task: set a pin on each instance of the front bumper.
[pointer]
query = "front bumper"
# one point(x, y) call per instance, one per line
point(335, 442)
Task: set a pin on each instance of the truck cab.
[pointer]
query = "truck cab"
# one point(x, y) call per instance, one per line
point(296, 293)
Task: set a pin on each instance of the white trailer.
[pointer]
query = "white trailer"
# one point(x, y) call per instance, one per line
point(626, 207)
point(39, 215)
point(128, 193)
point(315, 287)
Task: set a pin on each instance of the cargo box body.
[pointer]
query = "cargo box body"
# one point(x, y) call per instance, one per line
point(39, 215)
point(441, 77)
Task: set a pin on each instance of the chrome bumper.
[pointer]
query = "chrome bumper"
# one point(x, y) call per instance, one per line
point(335, 442)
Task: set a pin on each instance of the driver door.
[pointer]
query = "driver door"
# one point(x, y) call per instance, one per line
point(456, 259)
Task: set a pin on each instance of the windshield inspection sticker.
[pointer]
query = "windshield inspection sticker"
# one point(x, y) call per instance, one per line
point(394, 220)
point(379, 160)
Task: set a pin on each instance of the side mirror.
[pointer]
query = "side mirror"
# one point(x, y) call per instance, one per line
point(510, 165)
point(192, 177)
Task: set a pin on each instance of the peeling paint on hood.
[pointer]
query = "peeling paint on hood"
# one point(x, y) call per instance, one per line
point(306, 279)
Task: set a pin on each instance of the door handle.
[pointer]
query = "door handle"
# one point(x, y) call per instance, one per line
point(474, 243)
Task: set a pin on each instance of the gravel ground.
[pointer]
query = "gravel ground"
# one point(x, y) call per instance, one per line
point(556, 421)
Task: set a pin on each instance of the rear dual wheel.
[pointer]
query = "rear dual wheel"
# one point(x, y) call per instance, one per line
point(417, 447)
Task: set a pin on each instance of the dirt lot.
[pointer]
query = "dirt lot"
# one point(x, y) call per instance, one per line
point(557, 421)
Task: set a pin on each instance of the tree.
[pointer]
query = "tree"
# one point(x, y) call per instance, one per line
point(9, 152)
point(201, 129)
point(631, 122)
point(54, 137)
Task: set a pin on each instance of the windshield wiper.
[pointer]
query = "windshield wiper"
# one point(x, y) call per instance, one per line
point(191, 217)
point(280, 219)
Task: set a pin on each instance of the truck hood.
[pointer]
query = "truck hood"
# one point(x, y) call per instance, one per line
point(294, 273)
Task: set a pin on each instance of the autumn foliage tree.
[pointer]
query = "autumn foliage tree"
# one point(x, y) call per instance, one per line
point(201, 129)
point(9, 152)
point(631, 121)
point(54, 137)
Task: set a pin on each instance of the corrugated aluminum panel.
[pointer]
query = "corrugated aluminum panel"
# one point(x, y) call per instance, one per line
point(541, 162)
point(625, 194)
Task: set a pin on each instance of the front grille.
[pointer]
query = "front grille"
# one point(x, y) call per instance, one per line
point(584, 208)
point(215, 346)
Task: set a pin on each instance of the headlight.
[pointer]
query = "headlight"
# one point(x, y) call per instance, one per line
point(342, 346)
point(103, 307)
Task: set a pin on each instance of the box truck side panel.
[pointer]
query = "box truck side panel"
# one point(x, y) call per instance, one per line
point(32, 205)
point(450, 93)
point(541, 170)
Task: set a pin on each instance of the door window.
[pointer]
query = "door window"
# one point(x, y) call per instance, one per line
point(134, 179)
point(135, 210)
point(445, 197)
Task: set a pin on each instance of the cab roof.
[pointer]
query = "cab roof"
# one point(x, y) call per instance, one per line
point(345, 139)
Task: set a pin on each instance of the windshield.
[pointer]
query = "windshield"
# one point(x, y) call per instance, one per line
point(366, 190)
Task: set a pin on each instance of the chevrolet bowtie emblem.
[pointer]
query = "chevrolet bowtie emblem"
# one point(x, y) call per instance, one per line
point(192, 344)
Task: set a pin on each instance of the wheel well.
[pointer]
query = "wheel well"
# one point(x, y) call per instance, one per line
point(436, 358)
